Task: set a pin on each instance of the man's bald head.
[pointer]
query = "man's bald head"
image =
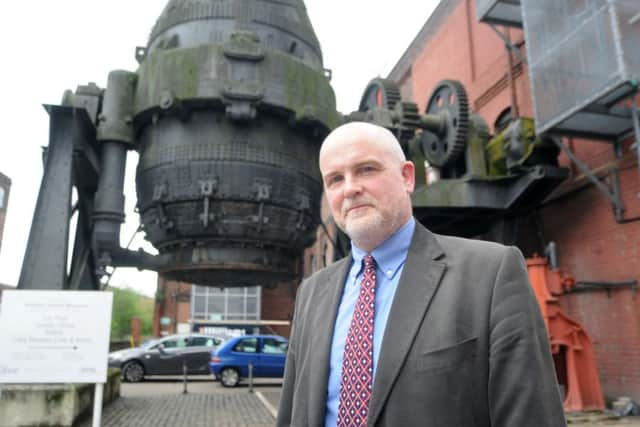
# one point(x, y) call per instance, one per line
point(358, 131)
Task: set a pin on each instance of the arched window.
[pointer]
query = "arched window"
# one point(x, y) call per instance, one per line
point(503, 120)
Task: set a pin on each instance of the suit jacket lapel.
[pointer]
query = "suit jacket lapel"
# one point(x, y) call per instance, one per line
point(327, 301)
point(420, 278)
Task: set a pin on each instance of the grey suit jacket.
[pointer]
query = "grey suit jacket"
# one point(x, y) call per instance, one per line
point(464, 345)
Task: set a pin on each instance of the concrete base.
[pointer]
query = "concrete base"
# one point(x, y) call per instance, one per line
point(45, 405)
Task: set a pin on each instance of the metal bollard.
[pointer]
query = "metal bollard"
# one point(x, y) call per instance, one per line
point(184, 375)
point(250, 378)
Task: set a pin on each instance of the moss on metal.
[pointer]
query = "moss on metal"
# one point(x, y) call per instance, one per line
point(201, 74)
point(497, 147)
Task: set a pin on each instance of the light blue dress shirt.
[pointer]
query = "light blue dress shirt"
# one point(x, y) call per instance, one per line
point(390, 257)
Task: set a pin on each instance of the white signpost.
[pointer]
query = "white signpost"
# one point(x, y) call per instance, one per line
point(56, 337)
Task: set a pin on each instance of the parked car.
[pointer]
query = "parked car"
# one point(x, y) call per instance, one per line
point(266, 353)
point(165, 356)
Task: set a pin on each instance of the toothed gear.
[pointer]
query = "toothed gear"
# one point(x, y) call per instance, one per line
point(380, 93)
point(450, 101)
point(408, 121)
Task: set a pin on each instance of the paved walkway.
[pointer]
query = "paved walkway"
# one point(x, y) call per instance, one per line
point(160, 402)
point(207, 404)
point(597, 420)
point(190, 410)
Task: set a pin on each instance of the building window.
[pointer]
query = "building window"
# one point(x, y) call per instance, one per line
point(503, 120)
point(2, 193)
point(242, 303)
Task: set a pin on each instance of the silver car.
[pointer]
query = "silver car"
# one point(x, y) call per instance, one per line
point(166, 356)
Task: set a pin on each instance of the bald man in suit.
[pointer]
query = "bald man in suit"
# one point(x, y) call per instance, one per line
point(457, 340)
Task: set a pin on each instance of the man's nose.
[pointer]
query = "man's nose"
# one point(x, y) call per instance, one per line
point(352, 186)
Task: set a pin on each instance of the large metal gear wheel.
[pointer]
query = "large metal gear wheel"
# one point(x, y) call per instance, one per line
point(380, 93)
point(408, 120)
point(384, 94)
point(449, 103)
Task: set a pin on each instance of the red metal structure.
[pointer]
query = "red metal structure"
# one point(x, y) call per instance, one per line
point(570, 345)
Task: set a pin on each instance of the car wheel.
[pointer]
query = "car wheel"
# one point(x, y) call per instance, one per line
point(133, 372)
point(229, 377)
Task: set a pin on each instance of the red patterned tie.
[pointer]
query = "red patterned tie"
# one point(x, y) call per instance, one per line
point(357, 363)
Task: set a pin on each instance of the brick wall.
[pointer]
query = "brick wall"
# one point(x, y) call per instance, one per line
point(174, 303)
point(277, 304)
point(593, 247)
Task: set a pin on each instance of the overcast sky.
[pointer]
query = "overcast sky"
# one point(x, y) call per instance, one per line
point(50, 46)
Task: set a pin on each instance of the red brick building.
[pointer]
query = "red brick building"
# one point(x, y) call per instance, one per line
point(591, 245)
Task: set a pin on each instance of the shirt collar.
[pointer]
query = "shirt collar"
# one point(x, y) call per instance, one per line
point(391, 254)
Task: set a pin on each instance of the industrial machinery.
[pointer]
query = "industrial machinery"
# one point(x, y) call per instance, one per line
point(571, 346)
point(227, 111)
point(466, 179)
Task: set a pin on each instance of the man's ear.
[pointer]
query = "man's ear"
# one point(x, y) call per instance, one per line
point(409, 176)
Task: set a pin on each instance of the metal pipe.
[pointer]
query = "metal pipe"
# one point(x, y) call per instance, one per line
point(594, 285)
point(434, 123)
point(515, 112)
point(109, 203)
point(115, 133)
point(552, 254)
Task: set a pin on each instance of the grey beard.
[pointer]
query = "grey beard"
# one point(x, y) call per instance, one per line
point(366, 233)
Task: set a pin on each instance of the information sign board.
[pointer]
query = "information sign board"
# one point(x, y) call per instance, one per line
point(54, 336)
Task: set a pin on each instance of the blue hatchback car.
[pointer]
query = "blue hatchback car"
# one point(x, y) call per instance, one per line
point(266, 353)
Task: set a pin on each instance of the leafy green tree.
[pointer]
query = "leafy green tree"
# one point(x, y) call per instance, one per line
point(128, 304)
point(146, 306)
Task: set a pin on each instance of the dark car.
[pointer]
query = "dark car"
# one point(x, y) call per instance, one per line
point(266, 353)
point(165, 356)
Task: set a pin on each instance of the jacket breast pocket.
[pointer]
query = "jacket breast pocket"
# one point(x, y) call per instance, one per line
point(446, 359)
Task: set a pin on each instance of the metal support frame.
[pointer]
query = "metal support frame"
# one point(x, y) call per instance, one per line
point(72, 160)
point(512, 47)
point(613, 194)
point(45, 261)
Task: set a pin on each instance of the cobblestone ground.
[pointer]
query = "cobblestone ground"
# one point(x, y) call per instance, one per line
point(159, 403)
point(191, 410)
point(602, 421)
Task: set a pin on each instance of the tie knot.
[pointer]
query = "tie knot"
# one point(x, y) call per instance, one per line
point(369, 261)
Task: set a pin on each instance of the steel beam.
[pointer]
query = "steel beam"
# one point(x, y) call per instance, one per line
point(45, 261)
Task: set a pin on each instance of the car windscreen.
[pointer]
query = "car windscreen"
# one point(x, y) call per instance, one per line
point(148, 344)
